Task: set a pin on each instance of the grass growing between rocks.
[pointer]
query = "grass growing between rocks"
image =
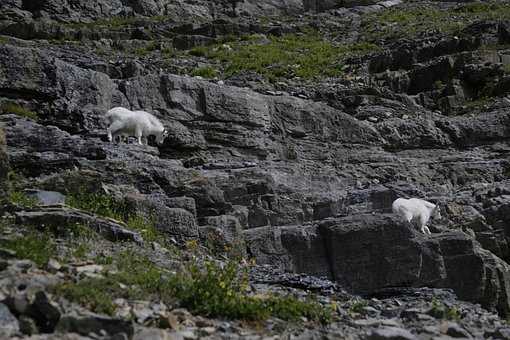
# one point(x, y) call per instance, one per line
point(305, 56)
point(400, 22)
point(205, 72)
point(209, 290)
point(20, 198)
point(34, 246)
point(108, 206)
point(18, 110)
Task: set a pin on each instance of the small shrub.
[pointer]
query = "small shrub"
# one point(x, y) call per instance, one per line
point(357, 306)
point(208, 290)
point(440, 311)
point(206, 72)
point(19, 110)
point(35, 246)
point(145, 226)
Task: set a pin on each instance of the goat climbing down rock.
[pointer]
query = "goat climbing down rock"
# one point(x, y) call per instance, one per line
point(416, 211)
point(141, 124)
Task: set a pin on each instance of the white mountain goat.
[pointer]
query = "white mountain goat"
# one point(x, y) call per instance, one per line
point(416, 211)
point(123, 122)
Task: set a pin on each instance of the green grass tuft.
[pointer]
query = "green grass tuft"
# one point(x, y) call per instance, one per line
point(19, 110)
point(22, 199)
point(34, 246)
point(205, 72)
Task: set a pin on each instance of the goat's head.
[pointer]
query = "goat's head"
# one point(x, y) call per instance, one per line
point(160, 138)
point(436, 213)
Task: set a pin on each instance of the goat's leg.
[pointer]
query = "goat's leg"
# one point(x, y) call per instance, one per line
point(138, 134)
point(113, 129)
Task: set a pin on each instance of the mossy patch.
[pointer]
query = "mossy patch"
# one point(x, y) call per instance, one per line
point(18, 110)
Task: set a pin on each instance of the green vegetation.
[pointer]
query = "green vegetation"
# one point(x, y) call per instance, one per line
point(22, 199)
point(143, 51)
point(357, 306)
point(206, 72)
point(306, 56)
point(209, 290)
point(440, 311)
point(18, 110)
point(410, 21)
point(37, 247)
point(107, 206)
point(3, 40)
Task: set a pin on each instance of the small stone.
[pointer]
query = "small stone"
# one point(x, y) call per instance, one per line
point(391, 333)
point(454, 330)
point(92, 268)
point(169, 321)
point(208, 330)
point(8, 323)
point(156, 334)
point(189, 335)
point(54, 266)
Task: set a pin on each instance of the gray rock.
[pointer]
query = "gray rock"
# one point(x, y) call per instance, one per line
point(157, 334)
point(58, 219)
point(46, 197)
point(9, 325)
point(4, 168)
point(390, 333)
point(85, 325)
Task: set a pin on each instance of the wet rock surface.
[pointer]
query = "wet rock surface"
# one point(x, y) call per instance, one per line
point(295, 174)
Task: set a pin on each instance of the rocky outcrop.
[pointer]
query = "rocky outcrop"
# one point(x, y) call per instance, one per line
point(3, 165)
point(369, 253)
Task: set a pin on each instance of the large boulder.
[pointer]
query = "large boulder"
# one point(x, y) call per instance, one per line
point(368, 253)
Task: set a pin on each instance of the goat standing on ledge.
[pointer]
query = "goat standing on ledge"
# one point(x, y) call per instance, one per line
point(124, 122)
point(416, 211)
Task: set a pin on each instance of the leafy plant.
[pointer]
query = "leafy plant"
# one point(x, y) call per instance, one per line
point(211, 290)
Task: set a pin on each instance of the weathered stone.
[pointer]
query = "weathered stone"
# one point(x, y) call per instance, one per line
point(4, 168)
point(87, 324)
point(391, 333)
point(9, 325)
point(60, 220)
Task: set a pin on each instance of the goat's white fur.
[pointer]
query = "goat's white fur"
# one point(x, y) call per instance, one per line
point(416, 211)
point(123, 122)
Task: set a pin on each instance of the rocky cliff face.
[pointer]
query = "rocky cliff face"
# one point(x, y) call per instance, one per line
point(4, 165)
point(291, 165)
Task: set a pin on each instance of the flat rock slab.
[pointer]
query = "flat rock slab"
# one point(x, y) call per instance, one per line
point(59, 218)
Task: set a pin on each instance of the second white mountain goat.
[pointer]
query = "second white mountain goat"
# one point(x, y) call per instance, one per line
point(123, 122)
point(416, 211)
